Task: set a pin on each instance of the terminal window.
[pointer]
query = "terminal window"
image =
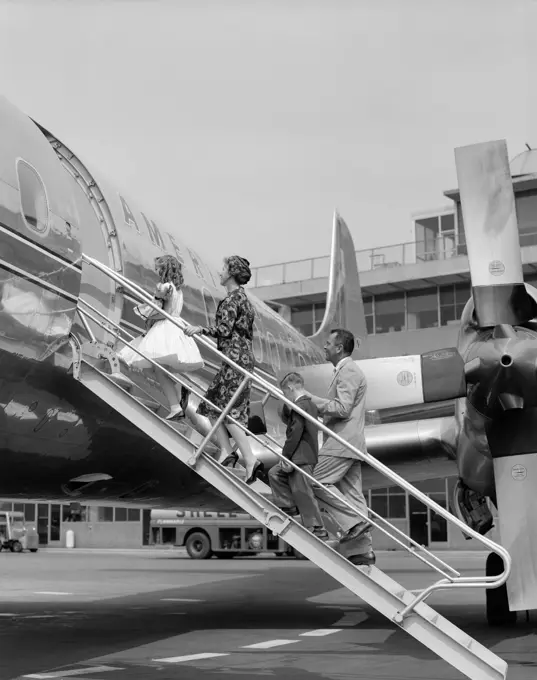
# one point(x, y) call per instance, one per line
point(121, 514)
point(422, 309)
point(319, 311)
point(302, 319)
point(389, 502)
point(389, 313)
point(526, 211)
point(105, 514)
point(453, 298)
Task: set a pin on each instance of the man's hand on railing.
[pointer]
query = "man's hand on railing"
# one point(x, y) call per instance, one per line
point(193, 330)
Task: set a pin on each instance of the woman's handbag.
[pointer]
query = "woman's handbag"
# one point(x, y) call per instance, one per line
point(256, 422)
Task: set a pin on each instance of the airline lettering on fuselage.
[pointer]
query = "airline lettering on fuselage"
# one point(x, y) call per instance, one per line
point(275, 353)
point(127, 214)
point(154, 233)
point(177, 250)
point(197, 264)
point(287, 346)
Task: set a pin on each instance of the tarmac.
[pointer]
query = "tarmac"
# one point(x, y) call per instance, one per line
point(158, 615)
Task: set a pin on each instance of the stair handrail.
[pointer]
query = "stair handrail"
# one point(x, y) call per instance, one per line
point(478, 581)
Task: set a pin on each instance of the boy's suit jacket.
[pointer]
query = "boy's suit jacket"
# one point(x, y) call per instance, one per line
point(344, 410)
point(301, 444)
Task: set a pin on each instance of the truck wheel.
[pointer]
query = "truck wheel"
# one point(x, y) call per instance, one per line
point(16, 546)
point(198, 546)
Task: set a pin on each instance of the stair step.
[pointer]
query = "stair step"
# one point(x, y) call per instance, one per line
point(149, 403)
point(367, 582)
point(123, 381)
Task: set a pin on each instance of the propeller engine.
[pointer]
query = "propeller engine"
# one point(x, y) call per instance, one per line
point(497, 449)
point(501, 365)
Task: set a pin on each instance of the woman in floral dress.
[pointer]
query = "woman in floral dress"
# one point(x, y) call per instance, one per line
point(234, 332)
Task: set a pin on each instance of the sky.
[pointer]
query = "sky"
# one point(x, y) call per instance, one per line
point(240, 125)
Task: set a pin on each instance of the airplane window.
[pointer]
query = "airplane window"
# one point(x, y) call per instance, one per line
point(258, 344)
point(274, 354)
point(33, 197)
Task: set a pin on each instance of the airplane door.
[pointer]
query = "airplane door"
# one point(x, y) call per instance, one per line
point(98, 240)
point(97, 289)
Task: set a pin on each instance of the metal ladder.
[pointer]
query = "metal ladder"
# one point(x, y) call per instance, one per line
point(405, 608)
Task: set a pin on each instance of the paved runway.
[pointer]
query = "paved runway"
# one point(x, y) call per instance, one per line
point(159, 616)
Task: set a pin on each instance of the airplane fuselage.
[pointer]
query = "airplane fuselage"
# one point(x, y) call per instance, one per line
point(51, 428)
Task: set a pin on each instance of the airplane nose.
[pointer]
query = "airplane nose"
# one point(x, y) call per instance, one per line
point(506, 360)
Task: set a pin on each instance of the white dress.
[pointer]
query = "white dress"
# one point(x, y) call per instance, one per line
point(165, 343)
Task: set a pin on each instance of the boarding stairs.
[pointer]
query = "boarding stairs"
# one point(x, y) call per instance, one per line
point(405, 608)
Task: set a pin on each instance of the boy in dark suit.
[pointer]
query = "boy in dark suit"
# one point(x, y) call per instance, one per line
point(292, 491)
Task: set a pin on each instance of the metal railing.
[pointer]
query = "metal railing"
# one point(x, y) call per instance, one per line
point(383, 257)
point(451, 580)
point(412, 252)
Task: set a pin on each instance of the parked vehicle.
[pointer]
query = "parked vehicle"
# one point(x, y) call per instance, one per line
point(16, 534)
point(208, 533)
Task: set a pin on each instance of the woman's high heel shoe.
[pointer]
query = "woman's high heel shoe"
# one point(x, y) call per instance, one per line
point(257, 473)
point(175, 414)
point(232, 458)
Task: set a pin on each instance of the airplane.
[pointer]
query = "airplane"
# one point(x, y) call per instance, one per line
point(60, 442)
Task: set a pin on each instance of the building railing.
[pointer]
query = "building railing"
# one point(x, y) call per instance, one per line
point(452, 578)
point(441, 248)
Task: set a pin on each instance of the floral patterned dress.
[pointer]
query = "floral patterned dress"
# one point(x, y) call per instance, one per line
point(234, 333)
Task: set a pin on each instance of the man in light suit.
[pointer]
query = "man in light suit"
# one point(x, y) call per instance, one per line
point(338, 468)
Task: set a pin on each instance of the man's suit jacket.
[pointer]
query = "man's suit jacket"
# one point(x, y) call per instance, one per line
point(301, 443)
point(344, 410)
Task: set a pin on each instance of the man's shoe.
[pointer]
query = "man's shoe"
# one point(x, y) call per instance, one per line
point(324, 536)
point(363, 560)
point(356, 531)
point(292, 512)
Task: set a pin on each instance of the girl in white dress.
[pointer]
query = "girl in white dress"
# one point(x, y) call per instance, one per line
point(164, 342)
